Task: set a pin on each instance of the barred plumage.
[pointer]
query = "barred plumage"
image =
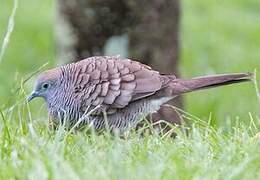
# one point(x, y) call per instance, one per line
point(123, 89)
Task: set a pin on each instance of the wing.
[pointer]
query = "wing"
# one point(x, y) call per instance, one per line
point(113, 82)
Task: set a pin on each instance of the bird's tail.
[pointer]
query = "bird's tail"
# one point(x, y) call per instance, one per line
point(180, 86)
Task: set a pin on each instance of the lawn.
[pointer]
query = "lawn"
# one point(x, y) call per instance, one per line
point(222, 140)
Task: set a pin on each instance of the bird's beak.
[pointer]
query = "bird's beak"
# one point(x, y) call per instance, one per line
point(32, 96)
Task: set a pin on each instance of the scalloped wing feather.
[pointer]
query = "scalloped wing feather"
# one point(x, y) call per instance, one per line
point(114, 82)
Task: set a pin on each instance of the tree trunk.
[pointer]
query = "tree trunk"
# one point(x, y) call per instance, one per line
point(83, 28)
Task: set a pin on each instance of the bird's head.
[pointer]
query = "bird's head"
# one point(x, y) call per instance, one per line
point(45, 84)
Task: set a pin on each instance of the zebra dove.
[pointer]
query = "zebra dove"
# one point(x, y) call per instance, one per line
point(107, 91)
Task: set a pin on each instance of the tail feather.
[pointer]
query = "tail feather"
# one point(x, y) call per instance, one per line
point(187, 85)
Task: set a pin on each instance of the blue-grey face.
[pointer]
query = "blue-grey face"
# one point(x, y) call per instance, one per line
point(42, 89)
point(45, 84)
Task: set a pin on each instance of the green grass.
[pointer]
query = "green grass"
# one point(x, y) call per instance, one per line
point(222, 143)
point(28, 150)
point(221, 37)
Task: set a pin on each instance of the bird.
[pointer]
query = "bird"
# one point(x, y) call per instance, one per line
point(114, 93)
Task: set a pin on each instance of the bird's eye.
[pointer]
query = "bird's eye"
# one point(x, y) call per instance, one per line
point(45, 85)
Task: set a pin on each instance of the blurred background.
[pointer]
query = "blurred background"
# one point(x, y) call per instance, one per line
point(215, 37)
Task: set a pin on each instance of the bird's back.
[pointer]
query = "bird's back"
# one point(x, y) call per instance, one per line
point(112, 85)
